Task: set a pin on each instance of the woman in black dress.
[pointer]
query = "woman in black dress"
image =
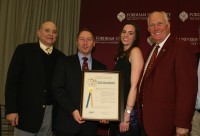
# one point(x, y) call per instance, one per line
point(130, 63)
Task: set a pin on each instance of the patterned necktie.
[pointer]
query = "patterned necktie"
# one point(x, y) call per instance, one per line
point(149, 66)
point(85, 63)
point(48, 50)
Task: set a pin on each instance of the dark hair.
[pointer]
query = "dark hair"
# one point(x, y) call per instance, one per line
point(120, 50)
point(88, 30)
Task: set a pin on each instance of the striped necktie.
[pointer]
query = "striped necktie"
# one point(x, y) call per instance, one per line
point(149, 66)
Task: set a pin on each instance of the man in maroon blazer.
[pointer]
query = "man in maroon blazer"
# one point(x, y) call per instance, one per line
point(170, 87)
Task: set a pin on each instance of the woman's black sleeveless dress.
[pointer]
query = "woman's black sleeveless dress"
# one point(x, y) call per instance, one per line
point(124, 66)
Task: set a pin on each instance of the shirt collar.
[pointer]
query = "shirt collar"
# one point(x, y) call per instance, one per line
point(45, 48)
point(163, 42)
point(80, 55)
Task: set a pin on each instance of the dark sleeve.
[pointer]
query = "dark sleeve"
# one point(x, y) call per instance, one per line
point(13, 81)
point(187, 84)
point(103, 67)
point(98, 65)
point(59, 86)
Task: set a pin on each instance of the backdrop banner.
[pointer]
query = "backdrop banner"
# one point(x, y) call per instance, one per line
point(106, 18)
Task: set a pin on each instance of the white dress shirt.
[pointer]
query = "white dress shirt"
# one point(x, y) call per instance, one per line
point(47, 50)
point(89, 56)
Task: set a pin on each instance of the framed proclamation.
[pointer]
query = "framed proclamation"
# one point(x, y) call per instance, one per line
point(102, 96)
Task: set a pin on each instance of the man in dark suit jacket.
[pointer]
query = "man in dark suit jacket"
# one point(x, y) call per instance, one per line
point(170, 88)
point(28, 97)
point(66, 86)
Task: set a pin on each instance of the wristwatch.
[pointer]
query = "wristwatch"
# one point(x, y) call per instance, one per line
point(128, 111)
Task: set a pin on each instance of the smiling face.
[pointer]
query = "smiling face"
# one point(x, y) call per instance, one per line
point(158, 26)
point(47, 33)
point(85, 42)
point(128, 36)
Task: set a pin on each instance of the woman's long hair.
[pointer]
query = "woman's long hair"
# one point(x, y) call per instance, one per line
point(120, 51)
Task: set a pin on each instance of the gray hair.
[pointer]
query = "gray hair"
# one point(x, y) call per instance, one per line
point(164, 14)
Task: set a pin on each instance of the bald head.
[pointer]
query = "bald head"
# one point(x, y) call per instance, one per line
point(47, 33)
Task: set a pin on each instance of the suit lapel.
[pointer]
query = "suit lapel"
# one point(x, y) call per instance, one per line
point(76, 63)
point(93, 64)
point(162, 53)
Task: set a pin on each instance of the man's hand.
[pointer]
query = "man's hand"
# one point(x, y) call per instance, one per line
point(182, 131)
point(77, 117)
point(13, 118)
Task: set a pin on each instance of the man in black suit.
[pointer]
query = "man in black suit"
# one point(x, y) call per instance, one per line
point(28, 98)
point(66, 85)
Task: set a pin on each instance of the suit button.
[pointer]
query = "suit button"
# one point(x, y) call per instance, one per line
point(45, 91)
point(43, 106)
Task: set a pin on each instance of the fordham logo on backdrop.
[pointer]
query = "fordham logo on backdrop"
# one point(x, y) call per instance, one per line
point(192, 40)
point(121, 16)
point(183, 16)
point(131, 16)
point(134, 16)
point(191, 16)
point(108, 40)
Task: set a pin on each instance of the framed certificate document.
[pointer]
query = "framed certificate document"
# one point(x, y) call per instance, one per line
point(102, 96)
